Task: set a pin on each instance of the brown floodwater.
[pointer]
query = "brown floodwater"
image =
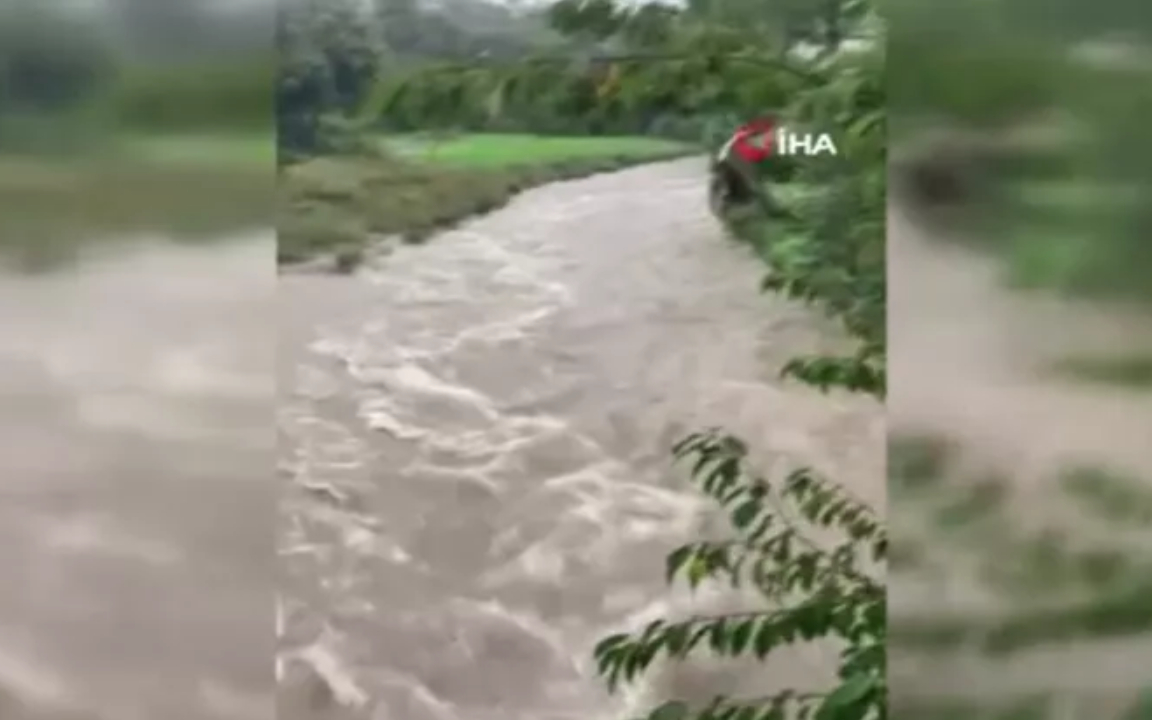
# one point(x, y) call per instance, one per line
point(474, 440)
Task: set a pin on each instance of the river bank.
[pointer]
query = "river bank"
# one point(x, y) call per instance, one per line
point(333, 209)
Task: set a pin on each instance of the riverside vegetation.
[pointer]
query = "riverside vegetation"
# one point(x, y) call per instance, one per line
point(413, 186)
point(356, 96)
point(828, 253)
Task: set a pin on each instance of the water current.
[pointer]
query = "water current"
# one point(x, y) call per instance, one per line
point(474, 439)
point(474, 481)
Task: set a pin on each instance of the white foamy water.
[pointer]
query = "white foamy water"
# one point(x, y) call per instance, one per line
point(474, 446)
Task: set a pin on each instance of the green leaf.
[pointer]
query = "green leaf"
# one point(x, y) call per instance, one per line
point(718, 636)
point(677, 639)
point(767, 639)
point(698, 571)
point(743, 516)
point(852, 691)
point(747, 713)
point(674, 710)
point(741, 635)
point(610, 643)
point(676, 560)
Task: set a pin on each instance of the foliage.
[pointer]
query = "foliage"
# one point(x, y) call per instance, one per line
point(333, 52)
point(330, 53)
point(815, 590)
point(835, 257)
point(648, 68)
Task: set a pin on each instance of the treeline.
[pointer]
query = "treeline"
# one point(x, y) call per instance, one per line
point(652, 69)
point(334, 52)
point(577, 67)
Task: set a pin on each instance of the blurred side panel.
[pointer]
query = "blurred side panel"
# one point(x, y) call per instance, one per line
point(1020, 259)
point(136, 394)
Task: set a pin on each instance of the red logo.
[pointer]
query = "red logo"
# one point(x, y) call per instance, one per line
point(754, 141)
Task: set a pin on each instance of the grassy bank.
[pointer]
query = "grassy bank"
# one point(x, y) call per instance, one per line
point(479, 151)
point(417, 184)
point(184, 187)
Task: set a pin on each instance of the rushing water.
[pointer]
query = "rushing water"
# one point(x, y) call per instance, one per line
point(474, 443)
point(135, 508)
point(474, 479)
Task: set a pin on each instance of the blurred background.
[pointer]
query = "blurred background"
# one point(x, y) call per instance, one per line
point(1020, 359)
point(136, 281)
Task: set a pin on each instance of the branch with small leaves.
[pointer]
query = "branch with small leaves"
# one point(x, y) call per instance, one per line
point(839, 596)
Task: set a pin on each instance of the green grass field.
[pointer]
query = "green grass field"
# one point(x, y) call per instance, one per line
point(481, 151)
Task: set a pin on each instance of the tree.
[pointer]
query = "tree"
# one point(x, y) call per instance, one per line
point(331, 53)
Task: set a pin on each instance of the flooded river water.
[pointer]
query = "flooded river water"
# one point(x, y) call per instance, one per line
point(474, 439)
point(473, 474)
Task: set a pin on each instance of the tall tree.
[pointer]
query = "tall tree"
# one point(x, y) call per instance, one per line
point(331, 51)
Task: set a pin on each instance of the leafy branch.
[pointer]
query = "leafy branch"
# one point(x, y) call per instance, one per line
point(774, 552)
